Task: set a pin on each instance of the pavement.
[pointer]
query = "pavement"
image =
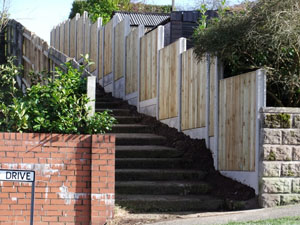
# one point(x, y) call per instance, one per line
point(237, 216)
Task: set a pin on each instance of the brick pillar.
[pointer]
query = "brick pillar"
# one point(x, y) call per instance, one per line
point(102, 178)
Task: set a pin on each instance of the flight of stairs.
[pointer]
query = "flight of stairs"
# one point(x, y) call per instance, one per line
point(151, 177)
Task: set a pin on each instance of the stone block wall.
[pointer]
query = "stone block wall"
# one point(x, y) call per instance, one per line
point(75, 178)
point(280, 157)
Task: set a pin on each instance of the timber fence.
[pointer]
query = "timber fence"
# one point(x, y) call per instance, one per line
point(167, 82)
point(38, 58)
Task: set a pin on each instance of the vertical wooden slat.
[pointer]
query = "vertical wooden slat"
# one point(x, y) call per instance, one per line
point(94, 49)
point(119, 49)
point(61, 37)
point(80, 37)
point(101, 54)
point(72, 38)
point(67, 38)
point(108, 48)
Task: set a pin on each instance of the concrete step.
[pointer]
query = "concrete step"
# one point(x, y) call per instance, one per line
point(158, 174)
point(150, 163)
point(151, 151)
point(139, 139)
point(130, 128)
point(116, 112)
point(180, 188)
point(111, 105)
point(169, 203)
point(128, 119)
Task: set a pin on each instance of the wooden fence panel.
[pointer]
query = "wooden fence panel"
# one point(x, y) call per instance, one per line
point(168, 81)
point(119, 49)
point(237, 123)
point(72, 38)
point(148, 69)
point(80, 37)
point(193, 100)
point(61, 37)
point(131, 63)
point(212, 90)
point(67, 38)
point(108, 42)
point(94, 48)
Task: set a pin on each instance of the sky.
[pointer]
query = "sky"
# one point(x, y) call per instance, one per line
point(40, 16)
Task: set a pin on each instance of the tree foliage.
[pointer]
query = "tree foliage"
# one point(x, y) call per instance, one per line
point(105, 8)
point(3, 14)
point(265, 34)
point(58, 107)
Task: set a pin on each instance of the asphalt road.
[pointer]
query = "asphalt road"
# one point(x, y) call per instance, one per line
point(237, 216)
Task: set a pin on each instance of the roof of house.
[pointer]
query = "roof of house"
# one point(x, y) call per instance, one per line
point(147, 19)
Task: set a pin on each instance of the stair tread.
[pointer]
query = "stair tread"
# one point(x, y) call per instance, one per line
point(130, 125)
point(168, 198)
point(161, 183)
point(150, 159)
point(145, 147)
point(137, 135)
point(160, 170)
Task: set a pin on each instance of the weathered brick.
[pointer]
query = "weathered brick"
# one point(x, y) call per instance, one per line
point(271, 136)
point(290, 199)
point(296, 121)
point(290, 169)
point(63, 172)
point(276, 185)
point(296, 153)
point(277, 152)
point(291, 136)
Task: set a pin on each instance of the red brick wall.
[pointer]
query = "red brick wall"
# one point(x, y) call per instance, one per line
point(74, 178)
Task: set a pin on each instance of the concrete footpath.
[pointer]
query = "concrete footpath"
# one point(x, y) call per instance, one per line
point(237, 216)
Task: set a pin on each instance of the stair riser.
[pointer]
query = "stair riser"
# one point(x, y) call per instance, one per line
point(146, 176)
point(131, 130)
point(164, 190)
point(147, 164)
point(110, 105)
point(147, 154)
point(140, 141)
point(173, 206)
point(117, 113)
point(132, 120)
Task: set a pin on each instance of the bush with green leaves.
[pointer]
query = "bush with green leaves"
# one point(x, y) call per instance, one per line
point(263, 35)
point(58, 107)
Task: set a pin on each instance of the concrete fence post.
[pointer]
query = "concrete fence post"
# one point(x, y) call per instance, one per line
point(99, 26)
point(115, 22)
point(207, 116)
point(160, 45)
point(126, 33)
point(181, 49)
point(91, 94)
point(141, 32)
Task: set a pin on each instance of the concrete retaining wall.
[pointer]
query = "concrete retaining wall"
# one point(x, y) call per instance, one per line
point(280, 157)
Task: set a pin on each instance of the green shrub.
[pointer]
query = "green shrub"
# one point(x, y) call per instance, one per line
point(263, 35)
point(58, 107)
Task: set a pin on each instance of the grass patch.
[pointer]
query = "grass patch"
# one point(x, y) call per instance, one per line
point(280, 221)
